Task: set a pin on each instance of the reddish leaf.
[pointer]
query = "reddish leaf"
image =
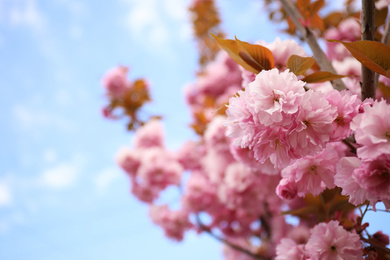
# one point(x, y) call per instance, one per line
point(373, 55)
point(256, 55)
point(316, 6)
point(252, 57)
point(299, 65)
point(321, 76)
point(380, 16)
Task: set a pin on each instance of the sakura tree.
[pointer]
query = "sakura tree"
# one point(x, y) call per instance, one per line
point(281, 133)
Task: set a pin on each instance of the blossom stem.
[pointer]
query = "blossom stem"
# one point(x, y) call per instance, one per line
point(386, 34)
point(311, 40)
point(228, 243)
point(368, 29)
point(385, 40)
point(350, 145)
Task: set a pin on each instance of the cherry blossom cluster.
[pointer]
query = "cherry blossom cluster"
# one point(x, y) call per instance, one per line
point(285, 146)
point(276, 118)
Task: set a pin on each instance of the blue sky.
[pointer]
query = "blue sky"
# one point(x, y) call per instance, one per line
point(61, 193)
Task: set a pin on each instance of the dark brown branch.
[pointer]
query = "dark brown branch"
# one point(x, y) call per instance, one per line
point(227, 242)
point(311, 40)
point(368, 30)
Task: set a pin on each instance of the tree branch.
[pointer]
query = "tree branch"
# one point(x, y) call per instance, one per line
point(368, 29)
point(227, 242)
point(386, 34)
point(311, 40)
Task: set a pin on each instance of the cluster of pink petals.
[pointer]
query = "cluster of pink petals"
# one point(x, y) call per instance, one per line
point(367, 180)
point(347, 106)
point(281, 51)
point(328, 241)
point(220, 80)
point(150, 135)
point(331, 241)
point(277, 119)
point(310, 174)
point(115, 81)
point(348, 30)
point(151, 168)
point(225, 189)
point(174, 223)
point(372, 130)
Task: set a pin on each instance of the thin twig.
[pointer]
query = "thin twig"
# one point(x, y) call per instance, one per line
point(385, 40)
point(311, 40)
point(368, 29)
point(227, 242)
point(386, 34)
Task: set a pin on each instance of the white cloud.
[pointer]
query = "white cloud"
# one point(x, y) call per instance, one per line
point(157, 21)
point(105, 178)
point(60, 176)
point(26, 13)
point(5, 195)
point(34, 119)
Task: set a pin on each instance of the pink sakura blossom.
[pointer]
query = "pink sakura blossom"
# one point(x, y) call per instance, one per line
point(288, 249)
point(215, 163)
point(347, 108)
point(215, 136)
point(247, 157)
point(324, 87)
point(174, 223)
point(310, 174)
point(282, 50)
point(149, 135)
point(240, 120)
point(247, 77)
point(274, 94)
point(331, 241)
point(190, 155)
point(287, 189)
point(353, 85)
point(159, 168)
point(150, 171)
point(374, 177)
point(365, 180)
point(344, 179)
point(313, 127)
point(372, 130)
point(220, 79)
point(115, 81)
point(347, 30)
point(385, 80)
point(240, 191)
point(348, 66)
point(129, 161)
point(199, 193)
point(278, 120)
